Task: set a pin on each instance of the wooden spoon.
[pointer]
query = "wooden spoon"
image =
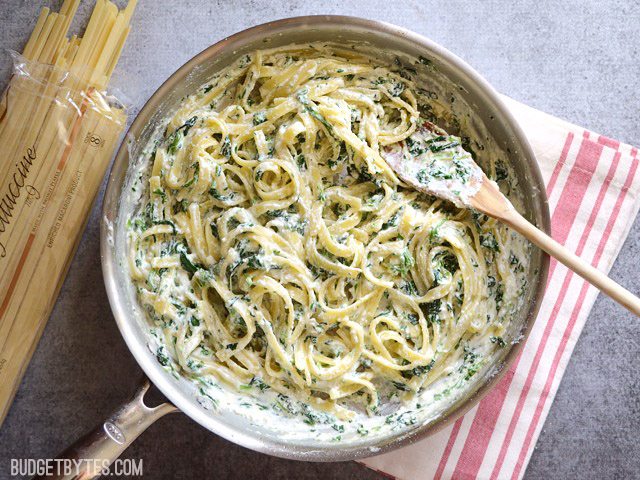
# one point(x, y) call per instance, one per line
point(434, 162)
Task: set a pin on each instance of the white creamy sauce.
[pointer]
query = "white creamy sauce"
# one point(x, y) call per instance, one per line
point(268, 190)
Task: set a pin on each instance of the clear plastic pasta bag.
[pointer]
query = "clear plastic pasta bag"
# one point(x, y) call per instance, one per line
point(58, 132)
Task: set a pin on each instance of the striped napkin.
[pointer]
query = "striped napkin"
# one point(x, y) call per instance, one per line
point(594, 196)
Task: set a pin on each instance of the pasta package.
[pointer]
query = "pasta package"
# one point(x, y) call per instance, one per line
point(59, 128)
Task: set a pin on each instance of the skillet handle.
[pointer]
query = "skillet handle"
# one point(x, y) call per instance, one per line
point(90, 456)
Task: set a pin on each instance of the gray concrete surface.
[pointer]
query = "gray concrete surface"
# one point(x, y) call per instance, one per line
point(575, 59)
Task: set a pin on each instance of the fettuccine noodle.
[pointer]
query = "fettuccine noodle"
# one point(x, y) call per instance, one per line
point(276, 249)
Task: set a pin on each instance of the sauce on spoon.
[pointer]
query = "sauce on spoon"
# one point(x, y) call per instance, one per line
point(433, 161)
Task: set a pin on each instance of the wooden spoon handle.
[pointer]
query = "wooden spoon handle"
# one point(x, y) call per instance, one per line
point(489, 200)
point(575, 263)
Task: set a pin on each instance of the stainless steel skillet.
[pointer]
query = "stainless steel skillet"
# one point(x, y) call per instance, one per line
point(484, 111)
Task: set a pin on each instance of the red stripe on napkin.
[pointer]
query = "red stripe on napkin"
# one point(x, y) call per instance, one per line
point(560, 164)
point(447, 449)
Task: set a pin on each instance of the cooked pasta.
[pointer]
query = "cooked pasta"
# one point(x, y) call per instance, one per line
point(275, 249)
